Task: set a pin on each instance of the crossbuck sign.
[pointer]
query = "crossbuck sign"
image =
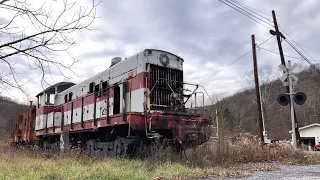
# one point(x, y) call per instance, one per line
point(287, 73)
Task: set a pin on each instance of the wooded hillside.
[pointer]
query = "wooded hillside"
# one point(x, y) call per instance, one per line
point(8, 110)
point(242, 108)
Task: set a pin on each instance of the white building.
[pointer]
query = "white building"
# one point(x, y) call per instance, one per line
point(310, 134)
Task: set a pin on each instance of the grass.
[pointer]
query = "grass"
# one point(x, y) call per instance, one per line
point(60, 167)
point(219, 159)
point(21, 165)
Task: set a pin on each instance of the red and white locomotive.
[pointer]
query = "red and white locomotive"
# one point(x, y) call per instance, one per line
point(120, 109)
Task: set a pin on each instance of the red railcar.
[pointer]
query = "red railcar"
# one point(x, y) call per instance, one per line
point(24, 127)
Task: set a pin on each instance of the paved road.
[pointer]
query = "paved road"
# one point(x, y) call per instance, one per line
point(288, 172)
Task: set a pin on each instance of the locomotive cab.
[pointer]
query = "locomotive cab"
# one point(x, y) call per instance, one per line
point(48, 96)
point(47, 100)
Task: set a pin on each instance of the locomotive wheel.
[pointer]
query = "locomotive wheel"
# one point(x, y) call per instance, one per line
point(90, 147)
point(117, 148)
point(138, 150)
point(45, 146)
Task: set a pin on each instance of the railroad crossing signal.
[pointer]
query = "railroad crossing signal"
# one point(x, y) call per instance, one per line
point(283, 99)
point(289, 79)
point(287, 73)
point(300, 98)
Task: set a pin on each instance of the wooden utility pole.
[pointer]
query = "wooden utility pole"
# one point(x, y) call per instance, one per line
point(278, 38)
point(279, 35)
point(256, 82)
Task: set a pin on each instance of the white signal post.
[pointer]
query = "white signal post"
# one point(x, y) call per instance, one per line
point(294, 143)
point(292, 81)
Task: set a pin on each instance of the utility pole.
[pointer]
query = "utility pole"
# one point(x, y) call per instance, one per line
point(279, 35)
point(278, 38)
point(256, 82)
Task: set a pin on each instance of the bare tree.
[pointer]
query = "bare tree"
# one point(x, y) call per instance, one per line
point(266, 77)
point(33, 36)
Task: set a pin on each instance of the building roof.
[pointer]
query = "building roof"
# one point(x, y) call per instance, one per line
point(308, 126)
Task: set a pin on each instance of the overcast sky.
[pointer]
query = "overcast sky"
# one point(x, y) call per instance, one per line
point(207, 34)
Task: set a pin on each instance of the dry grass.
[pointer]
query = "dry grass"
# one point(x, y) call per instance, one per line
point(246, 149)
point(219, 159)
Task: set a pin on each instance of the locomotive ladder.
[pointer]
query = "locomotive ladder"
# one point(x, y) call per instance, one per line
point(148, 125)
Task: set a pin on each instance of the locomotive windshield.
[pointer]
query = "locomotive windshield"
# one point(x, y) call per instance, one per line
point(47, 97)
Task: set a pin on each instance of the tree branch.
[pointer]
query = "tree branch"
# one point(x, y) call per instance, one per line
point(3, 1)
point(51, 35)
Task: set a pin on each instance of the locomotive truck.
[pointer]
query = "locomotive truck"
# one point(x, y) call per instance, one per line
point(133, 102)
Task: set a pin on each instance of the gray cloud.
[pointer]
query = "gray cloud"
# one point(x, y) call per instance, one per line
point(207, 34)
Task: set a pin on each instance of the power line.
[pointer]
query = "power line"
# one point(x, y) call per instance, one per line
point(223, 68)
point(213, 74)
point(274, 43)
point(249, 9)
point(246, 14)
point(252, 8)
point(265, 41)
point(279, 53)
point(306, 59)
point(308, 47)
point(297, 44)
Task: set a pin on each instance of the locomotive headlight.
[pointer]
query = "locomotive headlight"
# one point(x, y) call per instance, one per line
point(164, 59)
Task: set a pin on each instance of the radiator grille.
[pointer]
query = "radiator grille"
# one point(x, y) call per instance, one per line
point(161, 93)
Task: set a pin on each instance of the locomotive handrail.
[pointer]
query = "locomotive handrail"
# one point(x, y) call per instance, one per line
point(148, 114)
point(183, 83)
point(197, 85)
point(159, 105)
point(170, 81)
point(207, 110)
